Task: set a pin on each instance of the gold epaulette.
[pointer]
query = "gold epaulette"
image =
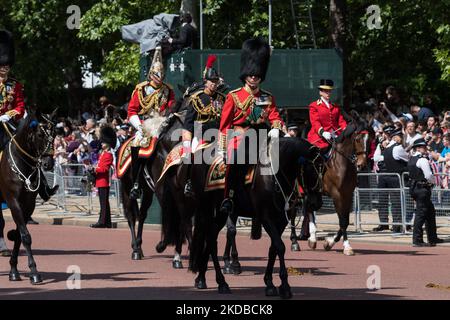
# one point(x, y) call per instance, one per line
point(196, 93)
point(141, 85)
point(235, 90)
point(319, 102)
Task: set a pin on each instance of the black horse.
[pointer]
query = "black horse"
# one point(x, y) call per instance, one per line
point(152, 171)
point(20, 180)
point(268, 210)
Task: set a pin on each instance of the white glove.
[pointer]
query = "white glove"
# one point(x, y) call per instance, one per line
point(274, 134)
point(5, 118)
point(222, 153)
point(136, 122)
point(326, 135)
point(139, 135)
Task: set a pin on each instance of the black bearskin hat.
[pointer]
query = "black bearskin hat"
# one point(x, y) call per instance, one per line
point(7, 53)
point(255, 56)
point(109, 136)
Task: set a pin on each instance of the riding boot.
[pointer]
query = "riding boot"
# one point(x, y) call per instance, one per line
point(136, 166)
point(44, 189)
point(188, 189)
point(228, 204)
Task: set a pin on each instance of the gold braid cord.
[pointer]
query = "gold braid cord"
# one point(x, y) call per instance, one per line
point(205, 113)
point(243, 107)
point(8, 97)
point(153, 101)
point(277, 125)
point(222, 141)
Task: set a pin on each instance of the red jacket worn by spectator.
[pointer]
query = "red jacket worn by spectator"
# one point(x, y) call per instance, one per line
point(102, 171)
point(322, 119)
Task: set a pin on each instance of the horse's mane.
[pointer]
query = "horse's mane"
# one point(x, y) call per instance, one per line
point(357, 124)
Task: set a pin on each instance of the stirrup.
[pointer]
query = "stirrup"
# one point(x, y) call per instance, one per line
point(135, 192)
point(227, 206)
point(188, 192)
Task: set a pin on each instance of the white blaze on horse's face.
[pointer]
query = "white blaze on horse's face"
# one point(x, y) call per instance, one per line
point(361, 155)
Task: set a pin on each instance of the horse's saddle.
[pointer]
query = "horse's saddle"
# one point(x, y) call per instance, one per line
point(124, 157)
point(215, 179)
point(175, 156)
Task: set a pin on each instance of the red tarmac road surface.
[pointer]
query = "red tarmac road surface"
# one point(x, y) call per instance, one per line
point(107, 271)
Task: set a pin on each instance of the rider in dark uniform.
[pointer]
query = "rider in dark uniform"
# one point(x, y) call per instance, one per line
point(395, 159)
point(203, 113)
point(422, 179)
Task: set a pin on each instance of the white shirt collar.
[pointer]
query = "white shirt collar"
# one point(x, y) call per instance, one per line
point(327, 103)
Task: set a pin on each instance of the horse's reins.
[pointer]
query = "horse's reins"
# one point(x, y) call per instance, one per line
point(286, 199)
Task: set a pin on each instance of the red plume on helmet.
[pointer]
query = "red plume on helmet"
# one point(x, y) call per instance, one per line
point(210, 61)
point(210, 73)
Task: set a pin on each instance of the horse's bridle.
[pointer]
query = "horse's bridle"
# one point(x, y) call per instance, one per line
point(36, 159)
point(352, 158)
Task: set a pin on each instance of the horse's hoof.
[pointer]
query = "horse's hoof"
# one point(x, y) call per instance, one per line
point(177, 264)
point(160, 247)
point(328, 244)
point(6, 253)
point(201, 284)
point(295, 247)
point(271, 291)
point(312, 244)
point(35, 279)
point(137, 256)
point(237, 270)
point(285, 293)
point(227, 269)
point(224, 289)
point(14, 276)
point(349, 252)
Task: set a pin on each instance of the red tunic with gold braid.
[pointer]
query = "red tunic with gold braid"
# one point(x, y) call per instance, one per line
point(12, 99)
point(144, 100)
point(240, 111)
point(323, 119)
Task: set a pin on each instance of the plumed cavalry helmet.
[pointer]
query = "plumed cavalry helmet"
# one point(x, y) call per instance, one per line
point(210, 73)
point(157, 67)
point(108, 136)
point(255, 57)
point(7, 52)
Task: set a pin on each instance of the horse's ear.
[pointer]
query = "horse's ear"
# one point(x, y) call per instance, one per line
point(52, 116)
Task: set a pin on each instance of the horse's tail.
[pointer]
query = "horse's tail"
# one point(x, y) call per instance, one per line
point(256, 229)
point(170, 221)
point(199, 240)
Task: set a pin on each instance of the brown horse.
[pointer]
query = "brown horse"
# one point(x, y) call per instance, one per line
point(20, 176)
point(348, 155)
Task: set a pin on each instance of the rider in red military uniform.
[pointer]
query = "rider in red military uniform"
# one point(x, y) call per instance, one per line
point(326, 119)
point(148, 98)
point(105, 162)
point(245, 108)
point(12, 104)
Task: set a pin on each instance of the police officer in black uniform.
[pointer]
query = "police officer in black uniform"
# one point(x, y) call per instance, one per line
point(395, 160)
point(422, 179)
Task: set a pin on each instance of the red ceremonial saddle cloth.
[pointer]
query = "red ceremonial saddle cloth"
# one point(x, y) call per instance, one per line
point(216, 172)
point(124, 157)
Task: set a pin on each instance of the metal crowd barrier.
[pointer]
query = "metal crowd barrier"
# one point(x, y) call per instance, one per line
point(76, 194)
point(395, 204)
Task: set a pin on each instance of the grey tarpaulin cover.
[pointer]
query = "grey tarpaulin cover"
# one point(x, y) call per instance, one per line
point(149, 33)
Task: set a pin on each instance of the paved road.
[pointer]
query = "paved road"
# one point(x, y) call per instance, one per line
point(108, 272)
